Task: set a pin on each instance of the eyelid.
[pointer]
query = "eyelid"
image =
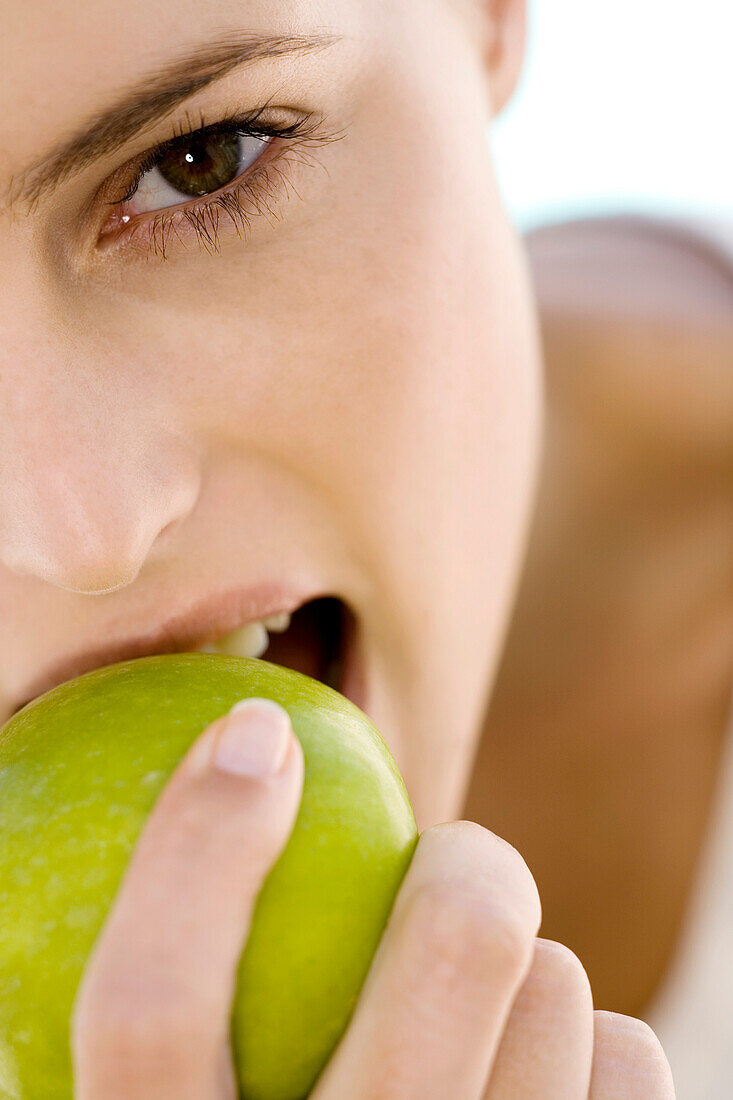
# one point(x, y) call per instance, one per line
point(129, 174)
point(257, 184)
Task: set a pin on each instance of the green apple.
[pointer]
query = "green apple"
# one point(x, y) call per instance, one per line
point(80, 769)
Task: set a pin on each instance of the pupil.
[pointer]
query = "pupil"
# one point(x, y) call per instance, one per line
point(198, 166)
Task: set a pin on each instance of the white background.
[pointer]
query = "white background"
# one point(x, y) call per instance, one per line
point(622, 105)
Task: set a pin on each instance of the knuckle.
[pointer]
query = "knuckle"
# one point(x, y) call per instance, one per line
point(455, 831)
point(196, 828)
point(558, 975)
point(628, 1050)
point(177, 827)
point(487, 862)
point(119, 1023)
point(462, 938)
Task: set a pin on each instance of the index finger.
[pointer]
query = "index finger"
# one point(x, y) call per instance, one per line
point(455, 951)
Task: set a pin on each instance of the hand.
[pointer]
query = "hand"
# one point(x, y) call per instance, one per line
point(462, 1002)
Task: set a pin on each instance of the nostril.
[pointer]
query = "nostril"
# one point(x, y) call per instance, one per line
point(101, 589)
point(66, 561)
point(87, 518)
point(170, 529)
point(98, 546)
point(89, 579)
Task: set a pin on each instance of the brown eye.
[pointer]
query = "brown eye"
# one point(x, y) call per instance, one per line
point(195, 165)
point(201, 164)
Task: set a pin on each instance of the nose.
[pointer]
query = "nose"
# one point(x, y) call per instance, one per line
point(90, 478)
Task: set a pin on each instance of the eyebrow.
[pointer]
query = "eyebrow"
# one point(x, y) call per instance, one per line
point(150, 101)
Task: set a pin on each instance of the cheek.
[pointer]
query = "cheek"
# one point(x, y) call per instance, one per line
point(381, 344)
point(384, 348)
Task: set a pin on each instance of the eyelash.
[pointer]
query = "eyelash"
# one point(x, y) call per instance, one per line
point(254, 192)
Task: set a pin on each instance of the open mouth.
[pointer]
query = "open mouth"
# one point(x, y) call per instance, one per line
point(317, 639)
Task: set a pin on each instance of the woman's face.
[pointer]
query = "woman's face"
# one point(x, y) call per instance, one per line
point(317, 376)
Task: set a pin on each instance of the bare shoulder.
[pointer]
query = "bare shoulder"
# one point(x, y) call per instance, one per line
point(602, 745)
point(637, 320)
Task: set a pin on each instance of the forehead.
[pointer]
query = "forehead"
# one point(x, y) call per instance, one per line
point(64, 61)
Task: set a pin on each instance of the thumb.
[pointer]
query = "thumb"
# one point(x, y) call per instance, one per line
point(152, 1014)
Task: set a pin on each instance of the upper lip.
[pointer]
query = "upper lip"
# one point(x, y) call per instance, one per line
point(208, 618)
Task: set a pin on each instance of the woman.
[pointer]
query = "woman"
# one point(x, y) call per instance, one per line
point(270, 338)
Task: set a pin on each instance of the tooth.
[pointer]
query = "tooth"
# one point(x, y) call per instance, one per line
point(277, 623)
point(210, 648)
point(251, 640)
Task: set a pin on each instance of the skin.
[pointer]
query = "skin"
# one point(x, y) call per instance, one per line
point(628, 560)
point(208, 415)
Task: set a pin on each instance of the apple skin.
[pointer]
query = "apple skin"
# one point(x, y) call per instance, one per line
point(80, 769)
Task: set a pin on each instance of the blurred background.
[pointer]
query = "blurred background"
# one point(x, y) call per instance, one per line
point(622, 105)
point(615, 161)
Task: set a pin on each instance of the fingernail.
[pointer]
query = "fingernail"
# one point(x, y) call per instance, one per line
point(255, 738)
